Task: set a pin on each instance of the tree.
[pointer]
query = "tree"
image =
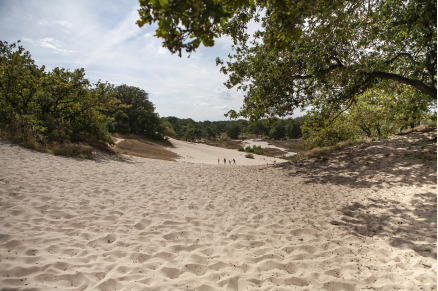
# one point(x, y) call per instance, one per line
point(167, 127)
point(139, 115)
point(307, 50)
point(19, 83)
point(293, 127)
point(378, 113)
point(233, 130)
point(211, 132)
point(258, 127)
point(51, 106)
point(278, 132)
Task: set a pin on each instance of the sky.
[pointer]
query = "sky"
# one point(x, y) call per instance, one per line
point(102, 37)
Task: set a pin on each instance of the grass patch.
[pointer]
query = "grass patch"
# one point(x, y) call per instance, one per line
point(292, 145)
point(227, 144)
point(324, 152)
point(145, 149)
point(73, 150)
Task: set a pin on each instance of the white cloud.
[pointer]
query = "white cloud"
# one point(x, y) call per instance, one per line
point(49, 43)
point(103, 38)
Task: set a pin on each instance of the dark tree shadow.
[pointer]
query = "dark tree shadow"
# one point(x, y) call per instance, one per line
point(408, 226)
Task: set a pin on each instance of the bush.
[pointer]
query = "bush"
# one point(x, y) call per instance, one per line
point(249, 156)
point(258, 150)
point(241, 149)
point(255, 149)
point(249, 149)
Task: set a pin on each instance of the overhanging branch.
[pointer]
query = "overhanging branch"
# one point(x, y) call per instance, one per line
point(425, 89)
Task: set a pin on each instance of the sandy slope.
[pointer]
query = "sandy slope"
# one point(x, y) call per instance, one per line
point(363, 223)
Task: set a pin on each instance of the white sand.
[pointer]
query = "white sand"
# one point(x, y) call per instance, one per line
point(143, 224)
point(197, 153)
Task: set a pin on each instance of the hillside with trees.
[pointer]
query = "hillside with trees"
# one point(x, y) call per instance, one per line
point(43, 110)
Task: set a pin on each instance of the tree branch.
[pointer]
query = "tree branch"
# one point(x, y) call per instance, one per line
point(425, 89)
point(407, 55)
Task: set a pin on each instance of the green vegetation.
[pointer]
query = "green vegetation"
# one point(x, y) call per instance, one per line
point(63, 112)
point(255, 149)
point(364, 69)
point(190, 130)
point(376, 114)
point(249, 156)
point(136, 115)
point(306, 50)
point(45, 107)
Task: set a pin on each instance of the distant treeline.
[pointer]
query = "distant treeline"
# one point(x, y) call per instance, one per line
point(188, 129)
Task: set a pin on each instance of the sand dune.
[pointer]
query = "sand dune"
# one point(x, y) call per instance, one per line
point(143, 224)
point(197, 153)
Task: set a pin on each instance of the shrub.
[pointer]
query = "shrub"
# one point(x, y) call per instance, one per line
point(249, 149)
point(258, 150)
point(249, 156)
point(241, 149)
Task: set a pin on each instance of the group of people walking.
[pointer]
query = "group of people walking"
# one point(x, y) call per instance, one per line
point(225, 161)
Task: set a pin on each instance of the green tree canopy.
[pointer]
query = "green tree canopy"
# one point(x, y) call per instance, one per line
point(51, 106)
point(138, 115)
point(233, 130)
point(306, 50)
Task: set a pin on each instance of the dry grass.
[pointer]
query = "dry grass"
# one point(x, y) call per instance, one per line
point(134, 146)
point(227, 144)
point(73, 150)
point(293, 145)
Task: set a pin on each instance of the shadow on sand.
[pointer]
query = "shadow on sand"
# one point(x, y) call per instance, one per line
point(406, 226)
point(401, 161)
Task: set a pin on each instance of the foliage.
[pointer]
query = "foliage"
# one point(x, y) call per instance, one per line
point(293, 128)
point(47, 107)
point(258, 127)
point(167, 128)
point(233, 131)
point(377, 113)
point(278, 132)
point(137, 113)
point(307, 51)
point(321, 132)
point(255, 149)
point(214, 130)
point(179, 21)
point(249, 156)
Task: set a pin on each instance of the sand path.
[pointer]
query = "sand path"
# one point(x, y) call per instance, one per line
point(197, 153)
point(142, 224)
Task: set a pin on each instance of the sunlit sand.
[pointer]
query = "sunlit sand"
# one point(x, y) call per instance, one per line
point(366, 222)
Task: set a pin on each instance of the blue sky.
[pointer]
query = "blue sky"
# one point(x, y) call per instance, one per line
point(102, 37)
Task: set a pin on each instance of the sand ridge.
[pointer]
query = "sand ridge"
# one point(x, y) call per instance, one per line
point(143, 224)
